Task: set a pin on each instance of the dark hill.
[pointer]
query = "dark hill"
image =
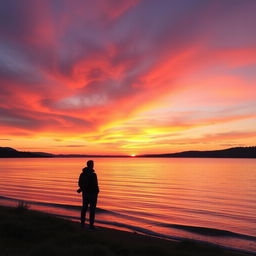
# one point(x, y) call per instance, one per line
point(6, 152)
point(239, 152)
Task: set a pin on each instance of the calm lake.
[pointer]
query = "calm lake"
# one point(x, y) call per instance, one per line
point(209, 200)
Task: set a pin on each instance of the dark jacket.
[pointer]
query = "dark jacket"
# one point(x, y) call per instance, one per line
point(88, 181)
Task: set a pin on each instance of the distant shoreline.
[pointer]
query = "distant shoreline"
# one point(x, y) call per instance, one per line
point(238, 152)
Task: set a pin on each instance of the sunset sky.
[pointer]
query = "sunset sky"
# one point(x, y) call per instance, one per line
point(127, 76)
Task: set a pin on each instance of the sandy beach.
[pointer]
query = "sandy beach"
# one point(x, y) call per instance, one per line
point(27, 232)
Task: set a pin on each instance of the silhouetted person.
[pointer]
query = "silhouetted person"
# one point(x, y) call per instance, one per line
point(88, 185)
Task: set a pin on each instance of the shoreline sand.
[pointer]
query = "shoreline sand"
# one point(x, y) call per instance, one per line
point(29, 232)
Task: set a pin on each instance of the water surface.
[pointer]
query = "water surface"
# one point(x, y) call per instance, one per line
point(211, 200)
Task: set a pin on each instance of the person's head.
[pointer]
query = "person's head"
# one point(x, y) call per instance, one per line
point(90, 164)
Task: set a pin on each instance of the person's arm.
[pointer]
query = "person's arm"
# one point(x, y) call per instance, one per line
point(96, 183)
point(80, 184)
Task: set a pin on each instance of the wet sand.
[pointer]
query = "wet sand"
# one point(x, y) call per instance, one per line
point(27, 232)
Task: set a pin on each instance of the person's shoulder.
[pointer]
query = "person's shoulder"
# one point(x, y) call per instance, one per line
point(83, 173)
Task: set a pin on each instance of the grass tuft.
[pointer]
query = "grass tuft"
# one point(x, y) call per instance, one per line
point(22, 206)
